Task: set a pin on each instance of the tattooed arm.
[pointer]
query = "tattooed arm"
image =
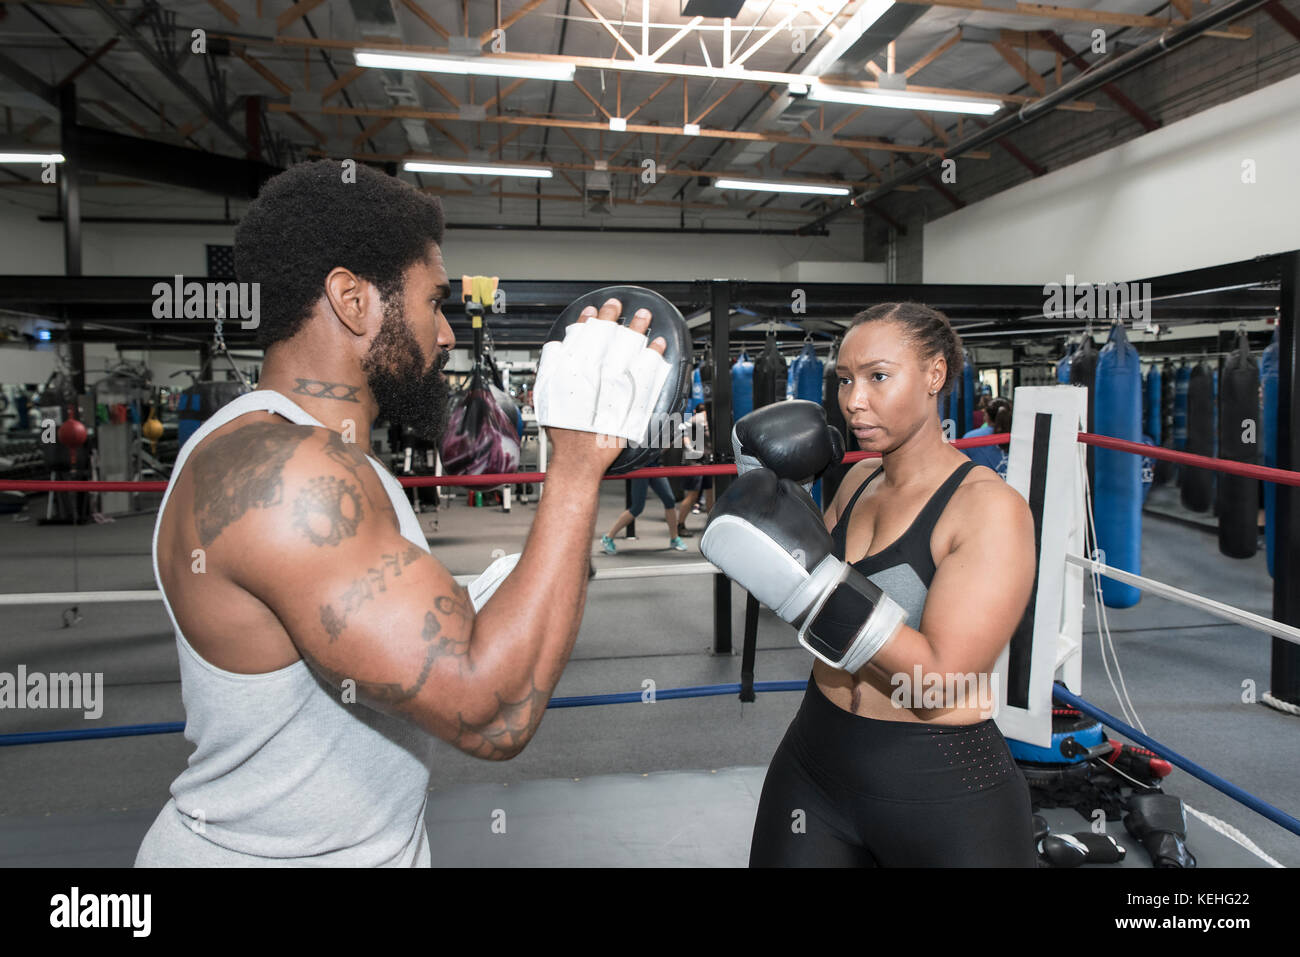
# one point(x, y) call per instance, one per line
point(320, 546)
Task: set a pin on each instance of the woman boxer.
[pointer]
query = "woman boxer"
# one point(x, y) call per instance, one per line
point(872, 771)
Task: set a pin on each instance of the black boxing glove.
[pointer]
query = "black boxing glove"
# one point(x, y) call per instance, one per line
point(790, 438)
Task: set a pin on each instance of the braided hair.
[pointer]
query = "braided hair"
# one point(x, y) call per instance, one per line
point(927, 329)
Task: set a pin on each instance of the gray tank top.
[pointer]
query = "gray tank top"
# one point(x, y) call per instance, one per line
point(283, 772)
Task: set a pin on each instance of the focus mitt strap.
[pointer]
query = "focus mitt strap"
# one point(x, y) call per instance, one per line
point(851, 620)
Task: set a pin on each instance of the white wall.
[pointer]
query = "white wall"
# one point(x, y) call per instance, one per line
point(842, 272)
point(31, 247)
point(1168, 201)
point(643, 257)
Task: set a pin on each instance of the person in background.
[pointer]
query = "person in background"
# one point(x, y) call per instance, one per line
point(694, 485)
point(997, 419)
point(639, 488)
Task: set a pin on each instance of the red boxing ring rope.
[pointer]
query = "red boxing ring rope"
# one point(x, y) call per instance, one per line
point(1263, 473)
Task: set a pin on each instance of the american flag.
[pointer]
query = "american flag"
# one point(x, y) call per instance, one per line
point(221, 262)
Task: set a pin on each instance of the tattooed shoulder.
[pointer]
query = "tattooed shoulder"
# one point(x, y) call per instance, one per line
point(360, 466)
point(240, 471)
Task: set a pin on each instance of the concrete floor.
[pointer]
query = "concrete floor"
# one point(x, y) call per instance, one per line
point(1184, 671)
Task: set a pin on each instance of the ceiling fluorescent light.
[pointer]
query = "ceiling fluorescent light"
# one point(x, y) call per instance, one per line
point(32, 158)
point(618, 124)
point(691, 129)
point(465, 66)
point(903, 100)
point(758, 184)
point(438, 166)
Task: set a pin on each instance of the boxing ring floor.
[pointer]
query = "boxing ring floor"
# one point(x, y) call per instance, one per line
point(87, 803)
point(665, 819)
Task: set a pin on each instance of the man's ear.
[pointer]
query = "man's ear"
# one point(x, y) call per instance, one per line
point(349, 297)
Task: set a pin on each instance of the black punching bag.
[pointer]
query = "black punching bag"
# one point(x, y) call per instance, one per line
point(1239, 437)
point(833, 475)
point(1083, 371)
point(770, 371)
point(1197, 484)
point(1165, 470)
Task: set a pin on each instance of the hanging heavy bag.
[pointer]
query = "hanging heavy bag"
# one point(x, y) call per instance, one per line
point(1117, 490)
point(807, 370)
point(1239, 435)
point(1151, 394)
point(1165, 470)
point(1197, 487)
point(1268, 375)
point(770, 374)
point(742, 391)
point(481, 436)
point(1083, 372)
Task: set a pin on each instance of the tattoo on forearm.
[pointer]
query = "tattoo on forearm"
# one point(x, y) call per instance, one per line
point(239, 471)
point(327, 390)
point(446, 634)
point(328, 510)
point(374, 581)
point(441, 641)
point(511, 728)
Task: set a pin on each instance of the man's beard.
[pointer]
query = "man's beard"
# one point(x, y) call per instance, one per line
point(406, 394)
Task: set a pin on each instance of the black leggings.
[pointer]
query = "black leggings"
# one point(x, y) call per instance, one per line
point(849, 791)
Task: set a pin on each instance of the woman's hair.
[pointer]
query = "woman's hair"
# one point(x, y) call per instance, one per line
point(998, 414)
point(927, 329)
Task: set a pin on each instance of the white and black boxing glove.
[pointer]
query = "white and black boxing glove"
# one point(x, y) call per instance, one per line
point(790, 438)
point(766, 534)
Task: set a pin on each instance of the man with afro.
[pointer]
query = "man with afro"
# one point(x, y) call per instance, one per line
point(322, 647)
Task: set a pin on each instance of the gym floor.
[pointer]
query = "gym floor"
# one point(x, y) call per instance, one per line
point(89, 802)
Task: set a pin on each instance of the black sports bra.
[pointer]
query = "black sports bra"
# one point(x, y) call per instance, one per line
point(913, 546)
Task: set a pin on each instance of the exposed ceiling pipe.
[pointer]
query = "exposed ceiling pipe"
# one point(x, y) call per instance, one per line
point(1081, 85)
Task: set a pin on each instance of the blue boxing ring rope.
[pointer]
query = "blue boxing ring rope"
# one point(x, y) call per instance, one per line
point(1060, 693)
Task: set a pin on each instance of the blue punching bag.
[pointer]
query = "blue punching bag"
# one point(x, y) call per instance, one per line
point(1117, 497)
point(1063, 366)
point(742, 388)
point(808, 374)
point(967, 395)
point(1268, 371)
point(697, 391)
point(1181, 381)
point(1154, 391)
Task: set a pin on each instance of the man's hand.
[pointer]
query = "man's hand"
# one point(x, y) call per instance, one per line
point(597, 387)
